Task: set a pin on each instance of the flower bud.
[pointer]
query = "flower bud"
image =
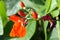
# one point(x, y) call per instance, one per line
point(22, 4)
point(34, 14)
point(21, 13)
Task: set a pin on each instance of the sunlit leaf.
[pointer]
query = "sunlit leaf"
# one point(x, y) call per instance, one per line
point(12, 6)
point(3, 13)
point(1, 27)
point(58, 3)
point(53, 5)
point(58, 29)
point(55, 13)
point(50, 5)
point(56, 32)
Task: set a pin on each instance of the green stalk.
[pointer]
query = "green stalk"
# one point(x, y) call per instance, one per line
point(45, 34)
point(45, 28)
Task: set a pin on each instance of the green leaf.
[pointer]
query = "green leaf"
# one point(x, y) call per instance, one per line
point(55, 13)
point(38, 7)
point(31, 27)
point(58, 29)
point(3, 13)
point(45, 24)
point(56, 32)
point(1, 27)
point(53, 5)
point(50, 5)
point(58, 3)
point(12, 6)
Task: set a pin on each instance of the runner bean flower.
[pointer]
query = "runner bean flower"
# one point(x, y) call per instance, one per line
point(18, 29)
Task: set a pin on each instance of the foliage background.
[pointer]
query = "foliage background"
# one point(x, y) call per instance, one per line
point(42, 7)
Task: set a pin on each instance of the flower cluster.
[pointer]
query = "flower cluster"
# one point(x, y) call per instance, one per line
point(19, 29)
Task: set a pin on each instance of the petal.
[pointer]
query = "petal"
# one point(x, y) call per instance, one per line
point(51, 23)
point(22, 32)
point(46, 17)
point(14, 18)
point(12, 33)
point(18, 30)
point(14, 30)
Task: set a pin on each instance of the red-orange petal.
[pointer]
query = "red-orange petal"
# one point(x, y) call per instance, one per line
point(16, 19)
point(14, 30)
point(18, 30)
point(21, 32)
point(12, 33)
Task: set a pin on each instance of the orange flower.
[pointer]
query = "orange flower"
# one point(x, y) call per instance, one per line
point(15, 18)
point(18, 29)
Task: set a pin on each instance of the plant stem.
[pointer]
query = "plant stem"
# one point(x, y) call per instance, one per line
point(45, 34)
